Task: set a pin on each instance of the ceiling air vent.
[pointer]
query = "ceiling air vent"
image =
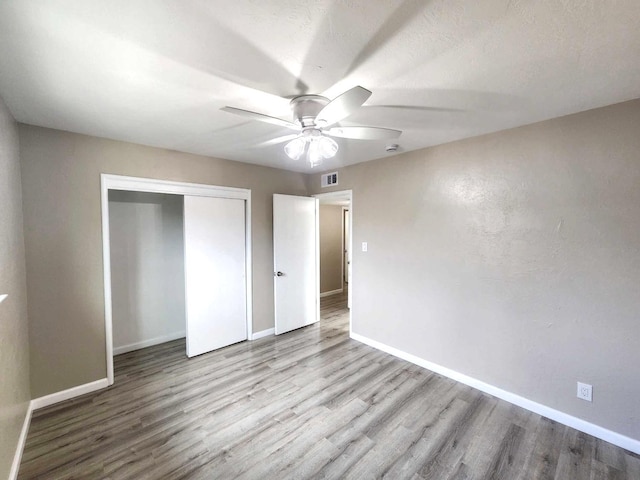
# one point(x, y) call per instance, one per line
point(329, 179)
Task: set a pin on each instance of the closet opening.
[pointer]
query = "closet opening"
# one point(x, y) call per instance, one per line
point(177, 263)
point(147, 269)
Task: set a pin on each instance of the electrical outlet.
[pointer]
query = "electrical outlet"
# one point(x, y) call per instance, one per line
point(365, 246)
point(585, 391)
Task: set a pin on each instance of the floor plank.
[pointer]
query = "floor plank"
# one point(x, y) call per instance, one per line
point(308, 404)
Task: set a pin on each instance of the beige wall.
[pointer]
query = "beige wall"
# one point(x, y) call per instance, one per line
point(513, 258)
point(330, 248)
point(61, 180)
point(14, 336)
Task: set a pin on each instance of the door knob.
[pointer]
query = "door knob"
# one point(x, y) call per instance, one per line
point(279, 274)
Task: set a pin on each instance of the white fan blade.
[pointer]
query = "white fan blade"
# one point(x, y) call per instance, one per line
point(275, 141)
point(342, 106)
point(261, 117)
point(364, 133)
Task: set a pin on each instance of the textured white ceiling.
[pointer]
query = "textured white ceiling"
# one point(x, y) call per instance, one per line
point(156, 72)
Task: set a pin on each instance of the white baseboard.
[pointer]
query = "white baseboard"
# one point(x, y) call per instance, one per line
point(263, 333)
point(331, 292)
point(602, 433)
point(17, 458)
point(148, 343)
point(57, 397)
point(45, 401)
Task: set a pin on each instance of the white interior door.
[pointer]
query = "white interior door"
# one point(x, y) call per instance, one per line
point(296, 269)
point(215, 269)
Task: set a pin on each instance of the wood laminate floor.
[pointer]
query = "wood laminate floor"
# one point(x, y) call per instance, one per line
point(308, 404)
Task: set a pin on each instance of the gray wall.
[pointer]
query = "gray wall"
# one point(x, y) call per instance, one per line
point(513, 258)
point(330, 248)
point(61, 179)
point(14, 335)
point(147, 268)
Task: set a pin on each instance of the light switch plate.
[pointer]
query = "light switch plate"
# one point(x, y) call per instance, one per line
point(3, 296)
point(364, 246)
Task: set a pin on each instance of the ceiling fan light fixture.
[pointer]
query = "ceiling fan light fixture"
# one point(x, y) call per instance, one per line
point(314, 155)
point(320, 146)
point(328, 147)
point(295, 148)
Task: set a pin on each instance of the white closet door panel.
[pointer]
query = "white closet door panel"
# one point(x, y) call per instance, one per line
point(295, 244)
point(214, 243)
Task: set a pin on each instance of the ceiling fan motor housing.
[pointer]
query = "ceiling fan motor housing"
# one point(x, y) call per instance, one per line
point(306, 108)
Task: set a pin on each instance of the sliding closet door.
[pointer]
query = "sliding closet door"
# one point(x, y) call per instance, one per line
point(214, 245)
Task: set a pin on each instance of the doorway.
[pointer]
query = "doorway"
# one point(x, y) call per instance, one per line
point(335, 247)
point(197, 300)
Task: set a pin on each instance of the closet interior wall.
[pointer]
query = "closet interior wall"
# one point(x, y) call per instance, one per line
point(147, 268)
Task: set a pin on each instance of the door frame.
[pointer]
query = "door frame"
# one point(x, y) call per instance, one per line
point(345, 265)
point(327, 196)
point(150, 185)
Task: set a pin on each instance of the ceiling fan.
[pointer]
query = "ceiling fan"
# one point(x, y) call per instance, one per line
point(315, 118)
